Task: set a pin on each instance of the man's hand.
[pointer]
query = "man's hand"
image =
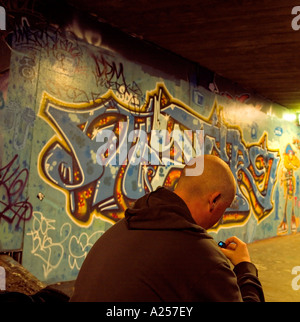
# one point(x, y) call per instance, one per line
point(236, 251)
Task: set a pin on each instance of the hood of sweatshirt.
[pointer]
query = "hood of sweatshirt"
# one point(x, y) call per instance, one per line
point(161, 209)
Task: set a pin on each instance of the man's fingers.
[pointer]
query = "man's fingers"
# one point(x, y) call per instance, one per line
point(232, 239)
point(236, 250)
point(231, 246)
point(227, 252)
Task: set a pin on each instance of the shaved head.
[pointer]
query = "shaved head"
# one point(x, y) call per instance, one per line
point(215, 180)
point(216, 175)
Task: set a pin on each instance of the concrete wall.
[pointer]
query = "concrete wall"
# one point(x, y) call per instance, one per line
point(66, 83)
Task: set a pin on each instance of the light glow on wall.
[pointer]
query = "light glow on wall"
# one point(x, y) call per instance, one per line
point(289, 117)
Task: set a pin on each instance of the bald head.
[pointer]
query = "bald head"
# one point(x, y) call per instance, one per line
point(215, 183)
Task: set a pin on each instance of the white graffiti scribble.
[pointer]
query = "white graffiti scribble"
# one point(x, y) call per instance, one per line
point(80, 246)
point(51, 253)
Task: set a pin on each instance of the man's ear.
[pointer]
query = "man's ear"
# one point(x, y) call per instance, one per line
point(214, 199)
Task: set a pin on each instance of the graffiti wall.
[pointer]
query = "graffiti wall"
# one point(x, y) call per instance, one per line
point(89, 126)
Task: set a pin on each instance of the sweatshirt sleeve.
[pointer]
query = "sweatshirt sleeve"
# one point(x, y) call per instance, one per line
point(249, 284)
point(222, 284)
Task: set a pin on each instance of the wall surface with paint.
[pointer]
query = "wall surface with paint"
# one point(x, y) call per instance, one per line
point(67, 85)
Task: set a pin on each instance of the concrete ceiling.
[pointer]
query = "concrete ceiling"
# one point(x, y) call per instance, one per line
point(250, 42)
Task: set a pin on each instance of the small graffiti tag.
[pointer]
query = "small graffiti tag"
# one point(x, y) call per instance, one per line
point(12, 204)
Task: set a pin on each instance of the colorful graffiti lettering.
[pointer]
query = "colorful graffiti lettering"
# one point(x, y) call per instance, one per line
point(253, 165)
point(68, 161)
